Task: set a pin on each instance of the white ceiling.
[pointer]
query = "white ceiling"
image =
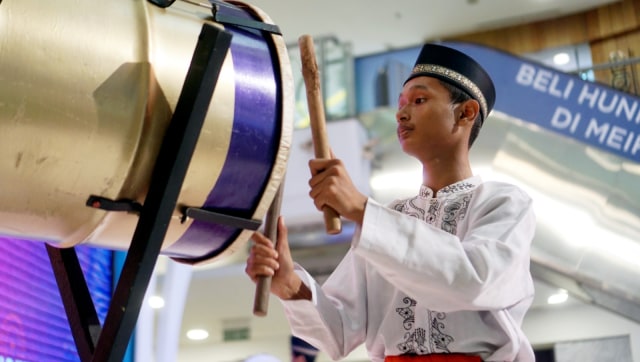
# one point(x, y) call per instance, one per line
point(371, 27)
point(376, 26)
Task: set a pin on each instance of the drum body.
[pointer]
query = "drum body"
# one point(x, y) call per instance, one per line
point(87, 90)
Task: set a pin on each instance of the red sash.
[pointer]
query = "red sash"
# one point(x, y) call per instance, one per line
point(441, 357)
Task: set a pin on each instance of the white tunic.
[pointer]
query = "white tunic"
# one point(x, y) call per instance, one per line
point(429, 275)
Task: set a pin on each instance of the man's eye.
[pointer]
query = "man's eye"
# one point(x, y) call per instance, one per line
point(420, 100)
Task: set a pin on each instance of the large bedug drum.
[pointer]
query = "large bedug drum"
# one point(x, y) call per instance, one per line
point(87, 90)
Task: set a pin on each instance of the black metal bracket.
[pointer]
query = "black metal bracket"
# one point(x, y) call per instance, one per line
point(221, 18)
point(166, 181)
point(99, 202)
point(226, 19)
point(81, 312)
point(214, 217)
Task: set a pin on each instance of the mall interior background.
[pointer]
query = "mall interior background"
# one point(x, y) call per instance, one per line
point(586, 254)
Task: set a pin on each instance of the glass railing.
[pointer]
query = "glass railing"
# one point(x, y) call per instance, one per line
point(621, 73)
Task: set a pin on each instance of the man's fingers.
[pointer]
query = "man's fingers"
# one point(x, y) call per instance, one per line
point(263, 257)
point(261, 239)
point(264, 250)
point(319, 165)
point(262, 264)
point(283, 234)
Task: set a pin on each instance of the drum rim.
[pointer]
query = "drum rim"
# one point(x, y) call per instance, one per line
point(278, 168)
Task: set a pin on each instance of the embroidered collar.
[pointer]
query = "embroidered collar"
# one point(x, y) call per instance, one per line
point(460, 186)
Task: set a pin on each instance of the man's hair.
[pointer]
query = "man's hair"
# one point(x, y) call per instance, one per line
point(459, 96)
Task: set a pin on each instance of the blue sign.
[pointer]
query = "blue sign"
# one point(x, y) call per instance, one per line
point(563, 103)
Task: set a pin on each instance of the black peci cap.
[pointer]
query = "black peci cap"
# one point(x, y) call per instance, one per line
point(459, 69)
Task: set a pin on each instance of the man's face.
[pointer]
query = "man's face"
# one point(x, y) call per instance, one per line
point(426, 118)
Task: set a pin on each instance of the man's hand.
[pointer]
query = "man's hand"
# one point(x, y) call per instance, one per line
point(276, 262)
point(331, 186)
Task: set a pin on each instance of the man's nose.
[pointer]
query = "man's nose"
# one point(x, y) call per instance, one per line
point(402, 114)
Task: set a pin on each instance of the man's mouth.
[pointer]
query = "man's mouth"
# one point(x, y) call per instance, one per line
point(403, 131)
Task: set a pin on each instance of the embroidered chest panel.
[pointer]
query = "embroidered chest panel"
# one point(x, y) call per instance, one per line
point(444, 213)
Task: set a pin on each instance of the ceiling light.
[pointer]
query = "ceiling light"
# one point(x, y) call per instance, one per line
point(561, 59)
point(156, 302)
point(197, 334)
point(560, 297)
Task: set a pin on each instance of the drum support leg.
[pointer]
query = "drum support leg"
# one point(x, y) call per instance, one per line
point(110, 343)
point(81, 313)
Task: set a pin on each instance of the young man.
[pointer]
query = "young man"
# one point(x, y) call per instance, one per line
point(442, 276)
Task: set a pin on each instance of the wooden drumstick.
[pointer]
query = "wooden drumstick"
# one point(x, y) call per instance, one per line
point(316, 115)
point(263, 285)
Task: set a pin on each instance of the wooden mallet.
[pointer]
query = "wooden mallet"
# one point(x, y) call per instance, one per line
point(263, 285)
point(317, 118)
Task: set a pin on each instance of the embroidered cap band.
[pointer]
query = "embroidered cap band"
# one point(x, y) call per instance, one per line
point(456, 78)
point(458, 69)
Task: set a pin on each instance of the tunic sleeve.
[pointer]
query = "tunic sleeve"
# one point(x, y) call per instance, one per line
point(484, 267)
point(334, 321)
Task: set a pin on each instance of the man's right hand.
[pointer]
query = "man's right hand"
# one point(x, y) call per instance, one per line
point(276, 262)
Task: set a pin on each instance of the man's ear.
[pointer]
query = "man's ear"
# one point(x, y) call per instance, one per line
point(469, 111)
